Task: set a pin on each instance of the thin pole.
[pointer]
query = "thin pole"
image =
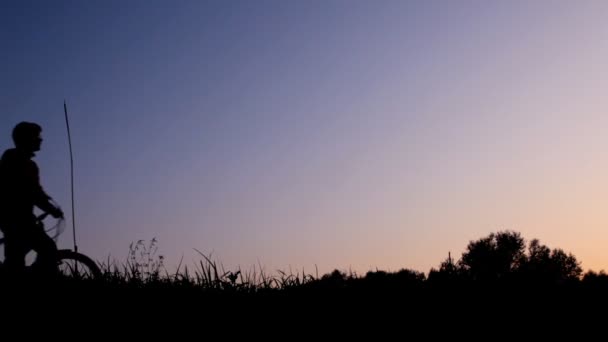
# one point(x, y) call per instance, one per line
point(67, 123)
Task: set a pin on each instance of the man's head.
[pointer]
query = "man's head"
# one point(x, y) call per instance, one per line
point(26, 136)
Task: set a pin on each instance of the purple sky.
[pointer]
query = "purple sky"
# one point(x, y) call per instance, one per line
point(342, 134)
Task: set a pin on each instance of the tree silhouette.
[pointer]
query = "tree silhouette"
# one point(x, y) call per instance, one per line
point(502, 257)
point(448, 273)
point(550, 266)
point(495, 257)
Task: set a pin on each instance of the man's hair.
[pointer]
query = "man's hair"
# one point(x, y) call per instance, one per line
point(24, 132)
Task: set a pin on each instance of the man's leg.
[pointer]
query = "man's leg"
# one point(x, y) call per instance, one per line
point(15, 250)
point(45, 247)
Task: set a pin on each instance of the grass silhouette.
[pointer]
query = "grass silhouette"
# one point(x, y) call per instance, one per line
point(498, 263)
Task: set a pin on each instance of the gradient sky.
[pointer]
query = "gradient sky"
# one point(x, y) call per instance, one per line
point(343, 134)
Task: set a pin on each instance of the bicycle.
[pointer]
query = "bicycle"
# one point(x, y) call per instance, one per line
point(69, 263)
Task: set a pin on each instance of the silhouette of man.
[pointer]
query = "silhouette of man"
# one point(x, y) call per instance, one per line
point(20, 191)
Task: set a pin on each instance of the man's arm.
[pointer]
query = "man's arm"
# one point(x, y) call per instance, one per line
point(41, 199)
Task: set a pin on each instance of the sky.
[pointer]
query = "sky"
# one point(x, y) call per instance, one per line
point(352, 135)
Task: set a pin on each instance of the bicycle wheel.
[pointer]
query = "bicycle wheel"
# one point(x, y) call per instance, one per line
point(76, 265)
